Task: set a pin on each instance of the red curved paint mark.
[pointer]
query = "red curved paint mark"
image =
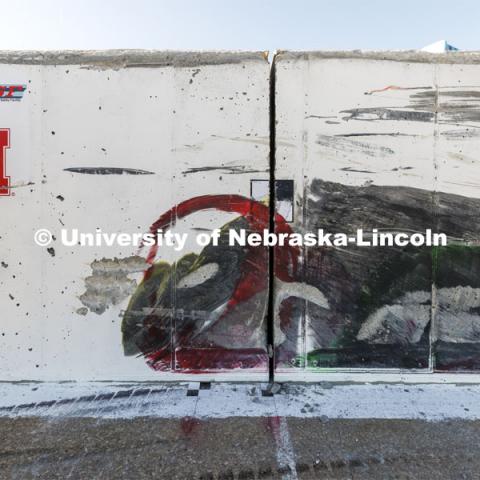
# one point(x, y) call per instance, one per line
point(389, 87)
point(253, 278)
point(258, 217)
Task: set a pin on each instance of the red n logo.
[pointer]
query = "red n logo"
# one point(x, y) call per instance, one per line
point(4, 144)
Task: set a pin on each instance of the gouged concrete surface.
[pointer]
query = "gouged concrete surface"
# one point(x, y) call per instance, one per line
point(410, 56)
point(128, 58)
point(163, 58)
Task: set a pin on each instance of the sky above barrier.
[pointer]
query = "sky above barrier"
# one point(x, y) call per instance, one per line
point(245, 24)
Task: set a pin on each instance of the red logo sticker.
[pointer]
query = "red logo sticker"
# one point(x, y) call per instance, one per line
point(4, 144)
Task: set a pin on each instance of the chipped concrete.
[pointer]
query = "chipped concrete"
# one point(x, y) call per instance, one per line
point(109, 283)
point(409, 56)
point(128, 58)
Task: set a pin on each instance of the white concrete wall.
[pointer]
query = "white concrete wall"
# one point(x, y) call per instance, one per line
point(381, 140)
point(166, 113)
point(407, 123)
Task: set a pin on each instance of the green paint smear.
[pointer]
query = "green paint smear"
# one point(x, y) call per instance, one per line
point(414, 269)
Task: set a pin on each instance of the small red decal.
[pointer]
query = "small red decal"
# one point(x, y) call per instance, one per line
point(4, 144)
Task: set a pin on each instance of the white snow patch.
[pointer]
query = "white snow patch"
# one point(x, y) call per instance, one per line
point(100, 400)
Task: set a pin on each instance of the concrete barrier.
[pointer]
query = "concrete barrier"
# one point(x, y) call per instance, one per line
point(113, 140)
point(95, 144)
point(385, 141)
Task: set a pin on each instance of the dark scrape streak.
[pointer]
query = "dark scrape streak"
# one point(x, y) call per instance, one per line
point(371, 114)
point(108, 171)
point(229, 170)
point(372, 134)
point(349, 169)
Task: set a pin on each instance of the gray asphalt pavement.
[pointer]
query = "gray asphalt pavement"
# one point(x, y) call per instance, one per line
point(237, 448)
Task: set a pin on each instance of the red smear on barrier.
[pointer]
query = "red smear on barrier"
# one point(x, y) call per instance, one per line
point(253, 280)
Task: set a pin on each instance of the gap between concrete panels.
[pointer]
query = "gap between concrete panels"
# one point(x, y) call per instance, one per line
point(271, 227)
point(392, 375)
point(291, 375)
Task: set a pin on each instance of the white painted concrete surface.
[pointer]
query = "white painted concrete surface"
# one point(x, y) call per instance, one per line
point(171, 114)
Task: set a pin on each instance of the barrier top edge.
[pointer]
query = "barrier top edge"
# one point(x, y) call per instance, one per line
point(129, 58)
point(409, 56)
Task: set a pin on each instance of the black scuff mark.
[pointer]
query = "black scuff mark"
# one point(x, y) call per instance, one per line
point(60, 197)
point(320, 116)
point(231, 170)
point(377, 113)
point(457, 106)
point(460, 114)
point(467, 132)
point(20, 185)
point(371, 134)
point(350, 169)
point(51, 251)
point(108, 171)
point(339, 144)
point(470, 94)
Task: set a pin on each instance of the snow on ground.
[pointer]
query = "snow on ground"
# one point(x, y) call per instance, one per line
point(223, 400)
